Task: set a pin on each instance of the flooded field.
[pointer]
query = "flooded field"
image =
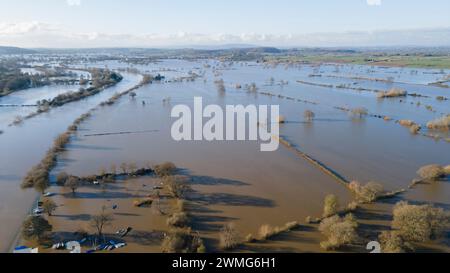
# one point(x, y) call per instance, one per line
point(233, 181)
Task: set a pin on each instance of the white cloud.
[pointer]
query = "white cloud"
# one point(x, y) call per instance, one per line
point(73, 2)
point(374, 2)
point(40, 34)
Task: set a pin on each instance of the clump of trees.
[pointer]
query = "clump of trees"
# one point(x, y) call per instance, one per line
point(220, 85)
point(36, 227)
point(177, 185)
point(281, 119)
point(182, 241)
point(147, 78)
point(339, 231)
point(330, 206)
point(49, 206)
point(309, 115)
point(392, 242)
point(165, 169)
point(252, 88)
point(359, 112)
point(413, 223)
point(178, 219)
point(12, 79)
point(433, 172)
point(38, 176)
point(366, 193)
point(229, 237)
point(394, 92)
point(442, 123)
point(267, 231)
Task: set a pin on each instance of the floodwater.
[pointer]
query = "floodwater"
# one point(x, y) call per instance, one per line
point(25, 145)
point(234, 181)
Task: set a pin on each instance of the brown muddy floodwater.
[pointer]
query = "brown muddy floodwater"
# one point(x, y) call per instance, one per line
point(233, 182)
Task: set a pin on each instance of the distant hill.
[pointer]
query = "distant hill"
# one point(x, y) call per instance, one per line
point(14, 50)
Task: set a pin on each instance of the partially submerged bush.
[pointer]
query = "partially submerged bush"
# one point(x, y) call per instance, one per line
point(178, 219)
point(265, 232)
point(182, 241)
point(419, 223)
point(406, 123)
point(432, 172)
point(394, 92)
point(442, 123)
point(49, 206)
point(309, 115)
point(165, 169)
point(339, 231)
point(392, 242)
point(177, 185)
point(367, 193)
point(229, 237)
point(330, 205)
point(61, 178)
point(414, 129)
point(359, 112)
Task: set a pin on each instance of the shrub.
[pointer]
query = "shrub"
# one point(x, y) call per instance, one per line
point(419, 223)
point(220, 85)
point(447, 170)
point(339, 231)
point(49, 206)
point(41, 181)
point(61, 141)
point(229, 237)
point(392, 242)
point(406, 123)
point(165, 169)
point(180, 205)
point(359, 112)
point(61, 178)
point(367, 193)
point(252, 87)
point(178, 219)
point(265, 232)
point(394, 92)
point(249, 238)
point(330, 205)
point(414, 129)
point(309, 115)
point(442, 123)
point(352, 206)
point(431, 172)
point(176, 185)
point(290, 226)
point(182, 241)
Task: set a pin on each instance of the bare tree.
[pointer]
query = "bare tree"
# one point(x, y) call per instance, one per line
point(72, 183)
point(101, 220)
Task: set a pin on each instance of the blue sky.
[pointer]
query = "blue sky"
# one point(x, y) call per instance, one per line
point(175, 22)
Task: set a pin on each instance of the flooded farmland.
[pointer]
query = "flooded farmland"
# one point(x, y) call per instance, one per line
point(233, 181)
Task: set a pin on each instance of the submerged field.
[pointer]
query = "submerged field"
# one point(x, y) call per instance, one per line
point(233, 182)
